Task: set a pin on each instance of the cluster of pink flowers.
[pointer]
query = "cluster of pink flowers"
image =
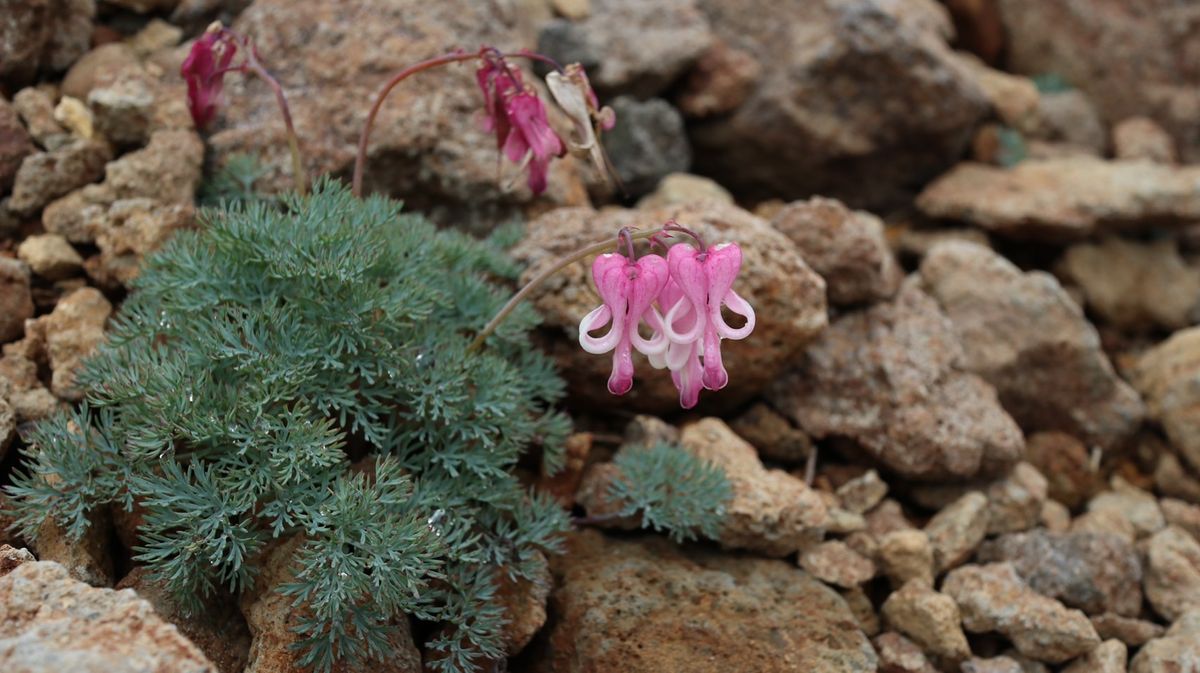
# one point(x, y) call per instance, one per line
point(679, 298)
point(204, 71)
point(516, 115)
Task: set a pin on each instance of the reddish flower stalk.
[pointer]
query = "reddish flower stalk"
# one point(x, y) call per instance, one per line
point(515, 115)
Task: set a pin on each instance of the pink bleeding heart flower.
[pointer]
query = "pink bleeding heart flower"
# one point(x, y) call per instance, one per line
point(497, 82)
point(628, 290)
point(682, 359)
point(204, 71)
point(531, 140)
point(706, 280)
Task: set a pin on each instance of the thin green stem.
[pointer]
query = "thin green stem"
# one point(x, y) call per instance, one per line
point(578, 255)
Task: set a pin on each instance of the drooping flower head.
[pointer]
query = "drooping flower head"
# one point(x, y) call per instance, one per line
point(628, 289)
point(573, 93)
point(515, 114)
point(204, 71)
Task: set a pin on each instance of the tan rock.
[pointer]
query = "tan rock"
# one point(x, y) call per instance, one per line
point(50, 622)
point(1065, 463)
point(1137, 286)
point(678, 595)
point(1013, 98)
point(888, 516)
point(50, 256)
point(15, 144)
point(1173, 572)
point(835, 563)
point(75, 117)
point(1135, 505)
point(16, 301)
point(1183, 515)
point(862, 493)
point(1178, 650)
point(1133, 632)
point(1055, 517)
point(11, 557)
point(1141, 138)
point(88, 559)
point(898, 654)
point(788, 299)
point(45, 176)
point(957, 530)
point(1164, 376)
point(35, 105)
point(906, 555)
point(72, 332)
point(929, 618)
point(1015, 501)
point(722, 78)
point(993, 598)
point(1024, 335)
point(888, 382)
point(1063, 199)
point(1106, 521)
point(130, 230)
point(863, 610)
point(684, 188)
point(772, 435)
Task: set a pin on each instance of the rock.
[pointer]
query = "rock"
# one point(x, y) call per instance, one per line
point(50, 622)
point(636, 606)
point(993, 665)
point(1095, 572)
point(929, 618)
point(906, 555)
point(887, 517)
point(1108, 657)
point(994, 598)
point(1142, 138)
point(1064, 461)
point(35, 106)
point(812, 123)
point(272, 617)
point(1069, 118)
point(1015, 501)
point(889, 379)
point(1055, 517)
point(772, 435)
point(1132, 632)
point(863, 610)
point(788, 299)
point(628, 46)
point(50, 256)
point(146, 6)
point(719, 82)
point(1138, 286)
point(124, 108)
point(771, 511)
point(1178, 650)
point(427, 145)
point(15, 144)
point(1173, 572)
point(1136, 506)
point(43, 35)
point(96, 65)
point(1063, 199)
point(562, 485)
point(130, 230)
point(917, 243)
point(10, 558)
point(683, 188)
point(8, 429)
point(835, 563)
point(219, 631)
point(1172, 479)
point(45, 176)
point(88, 559)
point(75, 117)
point(898, 654)
point(647, 144)
point(847, 248)
point(1124, 56)
point(1182, 515)
point(1106, 521)
point(167, 169)
point(1166, 375)
point(862, 493)
point(572, 9)
point(524, 603)
point(16, 302)
point(957, 530)
point(1024, 335)
point(72, 332)
point(1014, 99)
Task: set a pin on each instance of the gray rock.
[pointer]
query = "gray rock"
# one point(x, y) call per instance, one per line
point(647, 144)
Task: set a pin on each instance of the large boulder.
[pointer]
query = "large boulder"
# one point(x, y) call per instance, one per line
point(857, 99)
point(890, 382)
point(645, 606)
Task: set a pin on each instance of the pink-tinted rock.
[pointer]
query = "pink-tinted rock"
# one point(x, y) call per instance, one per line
point(1023, 334)
point(1132, 632)
point(891, 380)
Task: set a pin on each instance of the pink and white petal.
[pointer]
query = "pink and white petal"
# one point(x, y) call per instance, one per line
point(597, 318)
point(741, 307)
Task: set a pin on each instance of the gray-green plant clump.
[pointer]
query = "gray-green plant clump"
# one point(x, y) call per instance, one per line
point(256, 359)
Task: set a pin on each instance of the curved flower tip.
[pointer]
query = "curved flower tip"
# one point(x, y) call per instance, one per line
point(628, 291)
point(204, 71)
point(705, 279)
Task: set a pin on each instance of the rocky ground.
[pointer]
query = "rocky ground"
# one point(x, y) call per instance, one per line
point(972, 238)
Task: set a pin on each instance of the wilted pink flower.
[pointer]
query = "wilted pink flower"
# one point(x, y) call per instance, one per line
point(204, 71)
point(628, 289)
point(573, 93)
point(705, 279)
point(514, 113)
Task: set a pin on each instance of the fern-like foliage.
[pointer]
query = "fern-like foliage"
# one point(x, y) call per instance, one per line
point(255, 359)
point(672, 490)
